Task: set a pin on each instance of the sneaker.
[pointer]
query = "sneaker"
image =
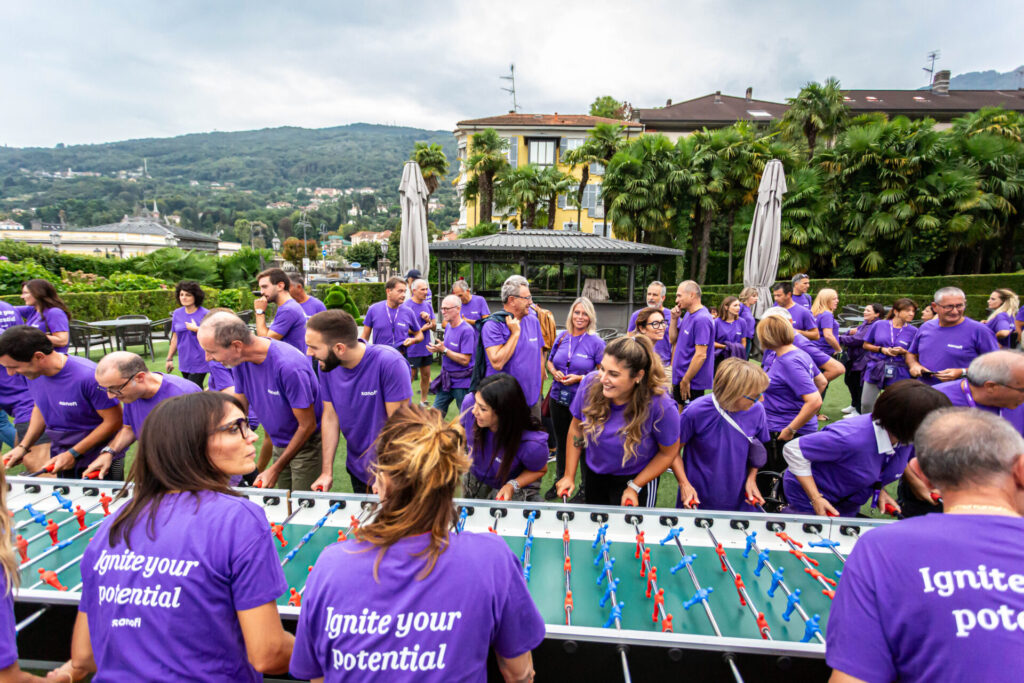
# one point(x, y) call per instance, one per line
point(577, 497)
point(853, 414)
point(848, 410)
point(550, 494)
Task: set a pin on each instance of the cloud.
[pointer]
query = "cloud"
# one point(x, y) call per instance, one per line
point(116, 70)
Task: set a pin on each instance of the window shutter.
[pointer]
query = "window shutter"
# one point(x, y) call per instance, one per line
point(513, 151)
point(561, 201)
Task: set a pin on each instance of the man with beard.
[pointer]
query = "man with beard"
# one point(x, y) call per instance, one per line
point(289, 323)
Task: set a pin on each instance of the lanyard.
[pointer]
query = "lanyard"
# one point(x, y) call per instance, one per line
point(568, 361)
point(970, 397)
point(393, 321)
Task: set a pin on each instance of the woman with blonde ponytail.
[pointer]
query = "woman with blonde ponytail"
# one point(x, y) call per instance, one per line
point(626, 419)
point(408, 585)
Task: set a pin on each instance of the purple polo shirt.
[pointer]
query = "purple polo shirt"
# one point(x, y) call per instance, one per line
point(473, 601)
point(420, 349)
point(284, 380)
point(715, 454)
point(52, 321)
point(606, 454)
point(801, 342)
point(524, 364)
point(476, 309)
point(311, 306)
point(460, 339)
point(575, 355)
point(695, 329)
point(999, 323)
point(169, 603)
point(14, 396)
point(959, 395)
point(882, 333)
point(390, 326)
point(8, 636)
point(906, 611)
point(191, 357)
point(136, 412)
point(847, 459)
point(747, 317)
point(358, 397)
point(729, 332)
point(792, 377)
point(825, 321)
point(802, 318)
point(532, 454)
point(803, 300)
point(663, 347)
point(290, 323)
point(940, 348)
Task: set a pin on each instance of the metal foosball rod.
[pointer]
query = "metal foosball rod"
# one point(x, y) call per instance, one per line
point(40, 518)
point(58, 570)
point(810, 564)
point(27, 621)
point(615, 617)
point(567, 566)
point(79, 515)
point(60, 546)
point(700, 596)
point(792, 597)
point(278, 529)
point(828, 543)
point(741, 589)
point(309, 534)
point(528, 545)
point(650, 572)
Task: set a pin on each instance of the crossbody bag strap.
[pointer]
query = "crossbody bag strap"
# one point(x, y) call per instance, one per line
point(729, 419)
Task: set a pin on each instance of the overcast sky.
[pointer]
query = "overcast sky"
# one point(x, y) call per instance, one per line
point(81, 72)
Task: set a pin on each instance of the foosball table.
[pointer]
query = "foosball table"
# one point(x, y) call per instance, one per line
point(626, 593)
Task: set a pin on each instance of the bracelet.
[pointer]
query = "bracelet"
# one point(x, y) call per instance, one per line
point(514, 484)
point(75, 454)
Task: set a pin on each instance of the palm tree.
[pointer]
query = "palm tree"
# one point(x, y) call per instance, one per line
point(602, 143)
point(818, 110)
point(552, 183)
point(486, 160)
point(433, 166)
point(519, 188)
point(641, 187)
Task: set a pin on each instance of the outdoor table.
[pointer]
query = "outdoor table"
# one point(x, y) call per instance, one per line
point(112, 324)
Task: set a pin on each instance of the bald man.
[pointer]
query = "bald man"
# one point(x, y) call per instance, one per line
point(456, 351)
point(125, 377)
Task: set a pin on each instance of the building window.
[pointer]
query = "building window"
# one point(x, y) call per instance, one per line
point(542, 152)
point(601, 229)
point(512, 153)
point(571, 226)
point(572, 143)
point(596, 169)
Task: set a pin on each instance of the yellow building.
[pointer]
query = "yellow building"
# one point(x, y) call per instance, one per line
point(540, 139)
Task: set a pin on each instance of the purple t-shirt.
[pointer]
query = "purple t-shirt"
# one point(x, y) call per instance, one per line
point(959, 394)
point(169, 604)
point(792, 377)
point(524, 364)
point(284, 380)
point(532, 454)
point(1020, 314)
point(747, 317)
point(390, 326)
point(358, 397)
point(905, 611)
point(803, 300)
point(847, 459)
point(940, 348)
point(729, 332)
point(663, 347)
point(575, 356)
point(69, 401)
point(8, 636)
point(52, 321)
point(802, 318)
point(882, 333)
point(825, 321)
point(290, 323)
point(801, 342)
point(715, 454)
point(460, 339)
point(420, 349)
point(14, 396)
point(220, 377)
point(474, 600)
point(476, 309)
point(695, 329)
point(999, 323)
point(311, 306)
point(191, 357)
point(135, 413)
point(605, 456)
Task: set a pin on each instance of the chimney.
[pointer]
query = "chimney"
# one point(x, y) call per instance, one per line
point(750, 94)
point(940, 84)
point(718, 97)
point(668, 102)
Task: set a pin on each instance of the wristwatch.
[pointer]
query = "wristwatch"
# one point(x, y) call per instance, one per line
point(258, 311)
point(514, 484)
point(74, 454)
point(630, 484)
point(108, 449)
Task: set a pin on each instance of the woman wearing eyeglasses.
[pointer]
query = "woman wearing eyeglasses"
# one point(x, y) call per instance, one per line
point(575, 353)
point(730, 331)
point(721, 435)
point(185, 559)
point(653, 324)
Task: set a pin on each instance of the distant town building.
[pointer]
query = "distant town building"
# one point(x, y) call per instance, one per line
point(369, 236)
point(8, 224)
point(329, 192)
point(279, 205)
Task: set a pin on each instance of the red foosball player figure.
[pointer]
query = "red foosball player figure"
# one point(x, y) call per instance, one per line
point(567, 566)
point(721, 556)
point(51, 528)
point(639, 544)
point(651, 579)
point(341, 535)
point(50, 577)
point(80, 515)
point(659, 599)
point(22, 545)
point(666, 624)
point(294, 599)
point(105, 502)
point(278, 531)
point(646, 562)
point(355, 523)
point(739, 589)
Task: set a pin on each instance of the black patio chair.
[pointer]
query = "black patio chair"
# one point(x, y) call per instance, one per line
point(161, 328)
point(85, 336)
point(607, 333)
point(136, 335)
point(133, 317)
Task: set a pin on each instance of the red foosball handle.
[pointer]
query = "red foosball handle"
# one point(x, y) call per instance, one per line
point(95, 474)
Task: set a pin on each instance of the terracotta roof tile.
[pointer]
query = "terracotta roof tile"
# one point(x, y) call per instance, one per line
point(528, 120)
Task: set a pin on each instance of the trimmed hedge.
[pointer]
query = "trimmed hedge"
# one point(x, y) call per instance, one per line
point(153, 303)
point(362, 294)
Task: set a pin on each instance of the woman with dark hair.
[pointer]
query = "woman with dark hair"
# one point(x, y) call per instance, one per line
point(651, 323)
point(857, 357)
point(730, 330)
point(835, 471)
point(46, 311)
point(508, 446)
point(184, 325)
point(626, 419)
point(1002, 305)
point(188, 559)
point(409, 561)
point(887, 344)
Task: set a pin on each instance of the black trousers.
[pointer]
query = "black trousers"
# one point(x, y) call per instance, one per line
point(196, 378)
point(694, 393)
point(358, 485)
point(606, 489)
point(910, 504)
point(855, 383)
point(561, 418)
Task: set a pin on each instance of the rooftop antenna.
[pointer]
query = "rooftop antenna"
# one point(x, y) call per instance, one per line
point(511, 77)
point(930, 70)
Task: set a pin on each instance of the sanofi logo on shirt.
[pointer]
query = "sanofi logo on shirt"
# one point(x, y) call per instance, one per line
point(955, 346)
point(68, 404)
point(368, 393)
point(273, 393)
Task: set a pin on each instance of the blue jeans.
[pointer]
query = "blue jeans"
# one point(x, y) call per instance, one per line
point(7, 433)
point(444, 398)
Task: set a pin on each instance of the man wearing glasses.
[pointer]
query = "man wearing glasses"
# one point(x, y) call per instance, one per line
point(946, 345)
point(456, 351)
point(124, 376)
point(517, 346)
point(656, 292)
point(78, 416)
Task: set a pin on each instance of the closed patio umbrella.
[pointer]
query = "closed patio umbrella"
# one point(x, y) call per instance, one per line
point(412, 247)
point(761, 264)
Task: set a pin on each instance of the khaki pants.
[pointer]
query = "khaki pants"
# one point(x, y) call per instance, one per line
point(304, 467)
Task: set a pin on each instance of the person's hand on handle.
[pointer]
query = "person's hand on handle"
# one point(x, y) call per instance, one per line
point(688, 495)
point(629, 497)
point(565, 487)
point(62, 461)
point(823, 508)
point(101, 464)
point(752, 493)
point(323, 483)
point(504, 493)
point(266, 479)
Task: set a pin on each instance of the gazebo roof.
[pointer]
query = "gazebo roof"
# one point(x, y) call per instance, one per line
point(553, 246)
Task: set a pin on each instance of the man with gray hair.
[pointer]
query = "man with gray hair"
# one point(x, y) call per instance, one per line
point(474, 307)
point(456, 351)
point(941, 597)
point(656, 292)
point(946, 345)
point(693, 367)
point(517, 346)
point(419, 355)
point(125, 377)
point(277, 380)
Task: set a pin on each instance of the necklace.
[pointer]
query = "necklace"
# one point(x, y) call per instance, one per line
point(993, 509)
